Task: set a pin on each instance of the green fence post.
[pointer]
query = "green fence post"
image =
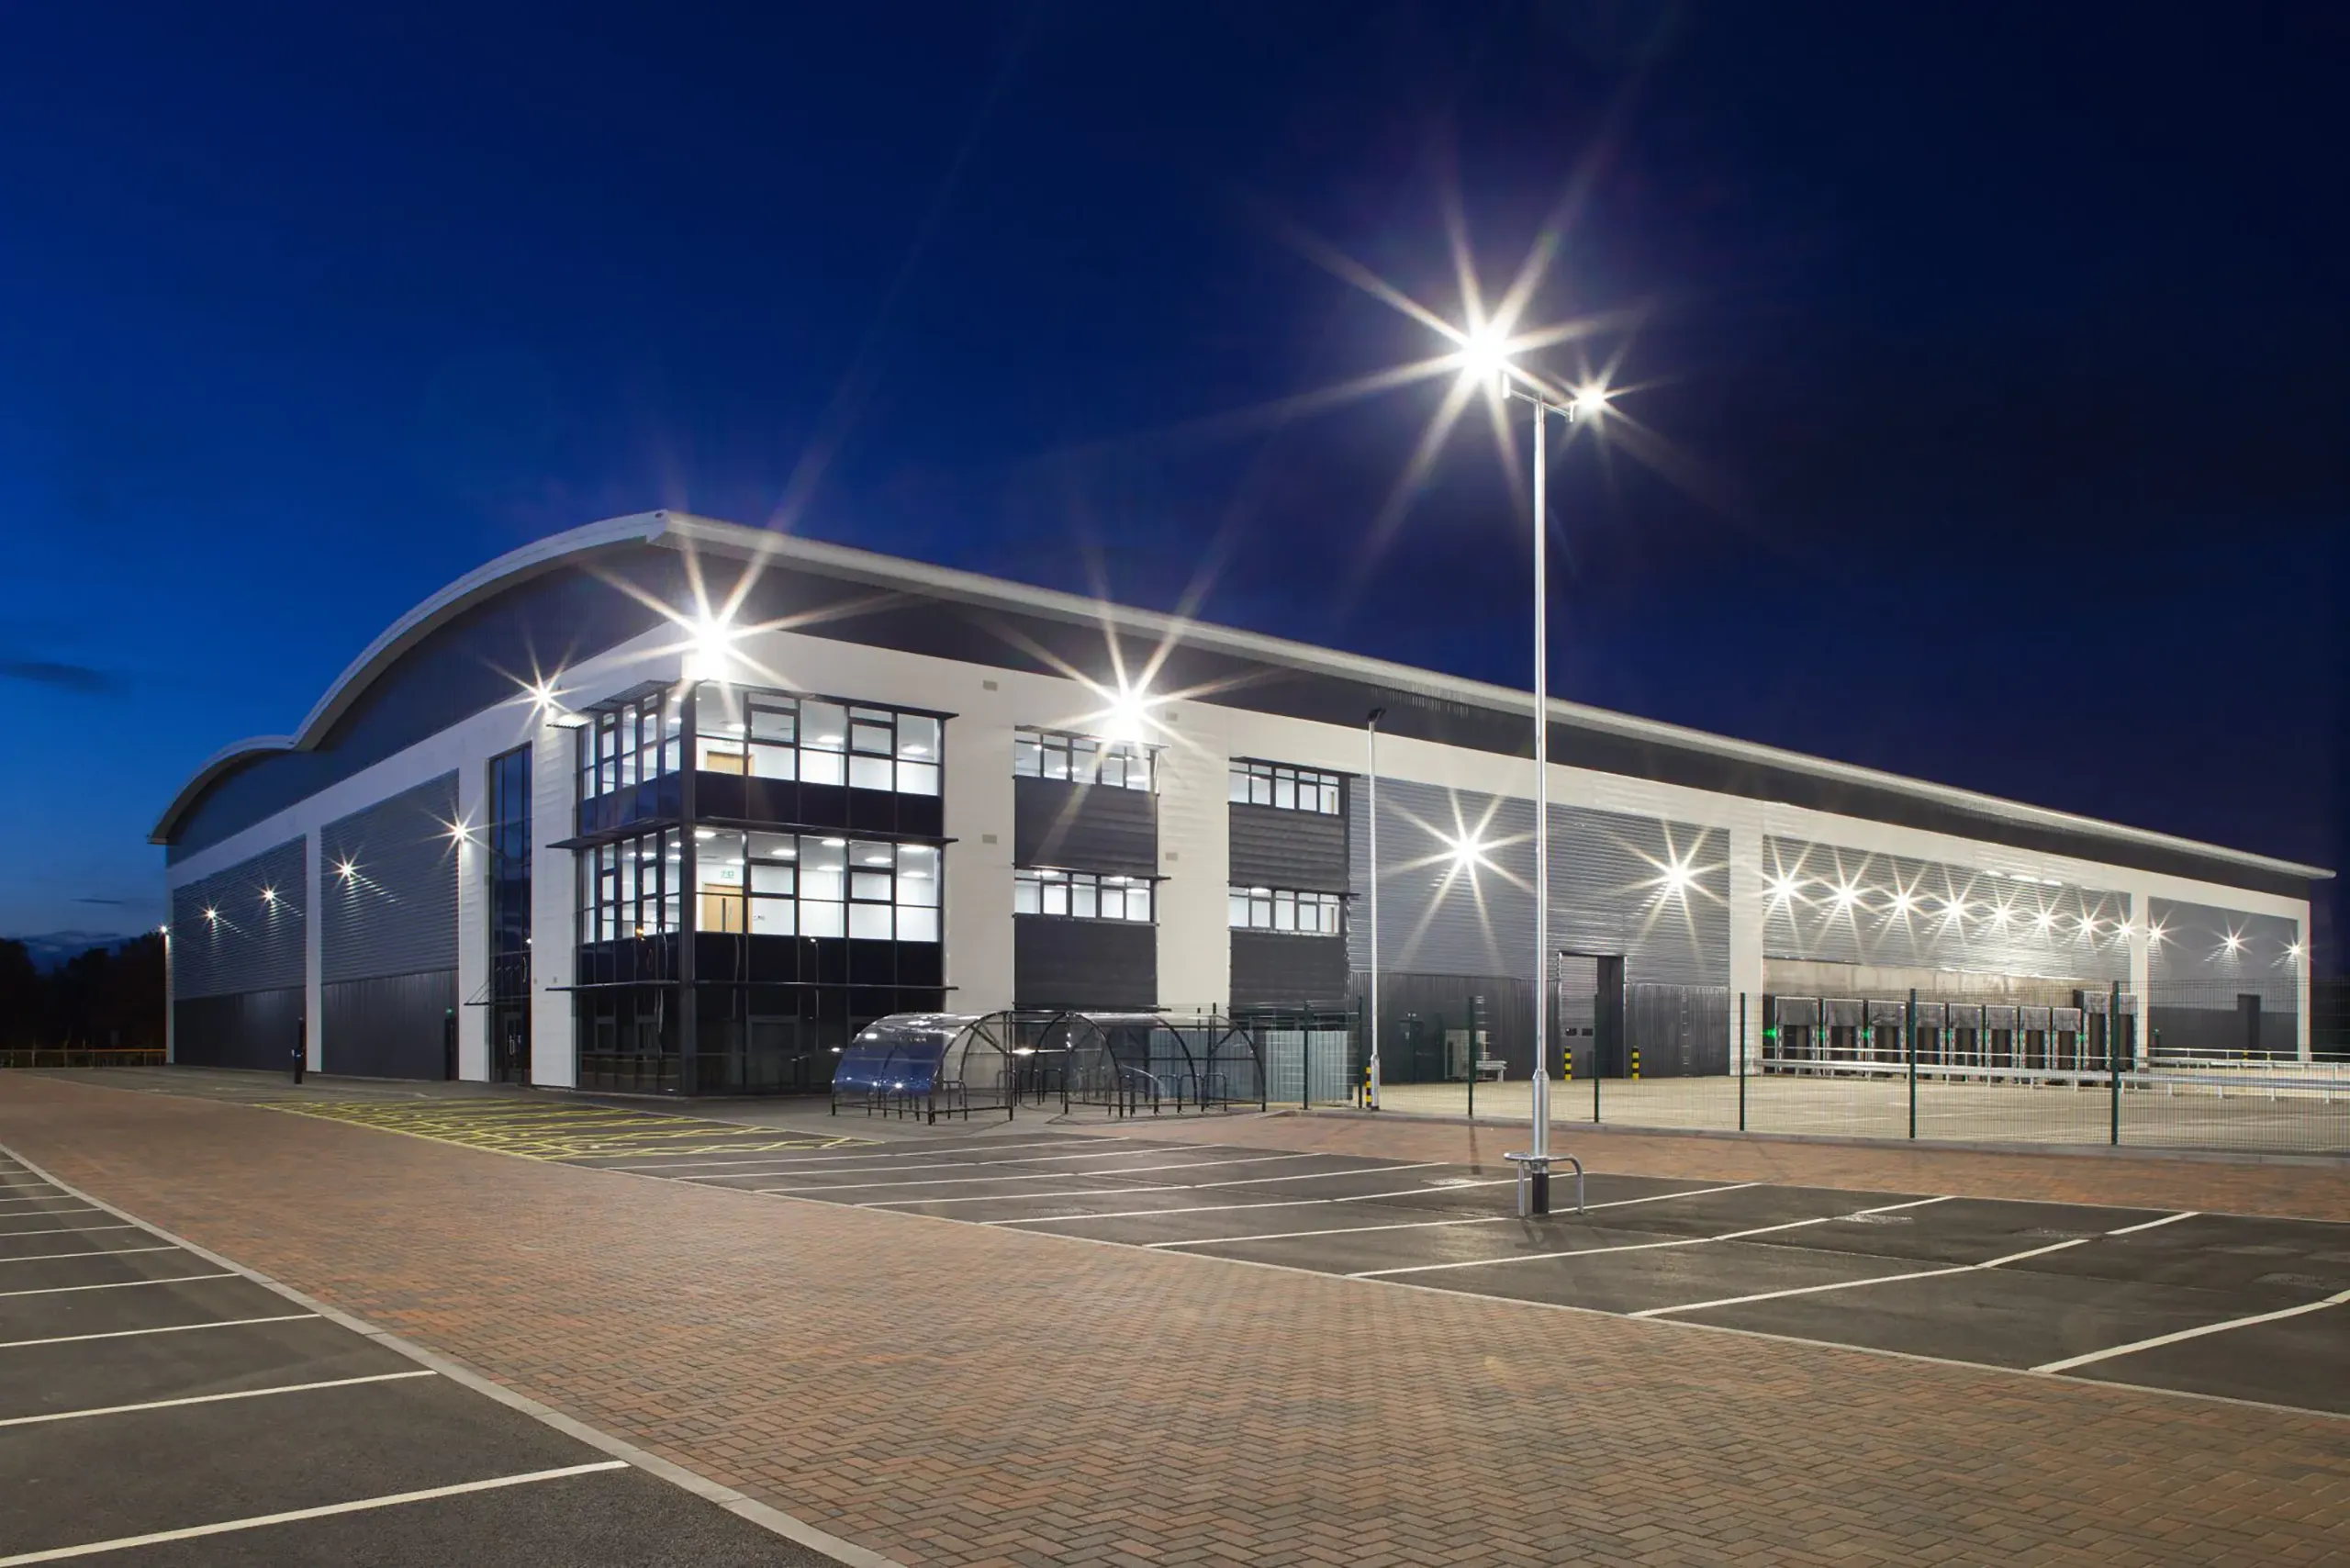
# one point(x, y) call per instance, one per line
point(1909, 1031)
point(1472, 1054)
point(1742, 1061)
point(1305, 1067)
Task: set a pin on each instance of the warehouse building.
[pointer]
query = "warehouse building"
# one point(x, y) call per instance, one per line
point(672, 805)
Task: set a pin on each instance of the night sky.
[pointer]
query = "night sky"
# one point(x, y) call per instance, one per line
point(1991, 356)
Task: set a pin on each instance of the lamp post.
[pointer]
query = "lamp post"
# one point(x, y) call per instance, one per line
point(1371, 746)
point(1482, 354)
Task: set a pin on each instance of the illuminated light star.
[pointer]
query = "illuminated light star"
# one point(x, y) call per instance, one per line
point(2155, 933)
point(713, 645)
point(1590, 400)
point(346, 869)
point(269, 895)
point(1484, 355)
point(2292, 949)
point(1468, 851)
point(1902, 903)
point(1677, 877)
point(1846, 897)
point(2233, 941)
point(1782, 887)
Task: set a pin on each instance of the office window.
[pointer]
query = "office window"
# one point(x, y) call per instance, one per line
point(1080, 759)
point(1081, 895)
point(768, 734)
point(784, 884)
point(1284, 787)
point(630, 889)
point(1279, 909)
point(624, 746)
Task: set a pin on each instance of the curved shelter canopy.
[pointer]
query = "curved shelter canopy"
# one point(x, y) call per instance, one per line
point(933, 1061)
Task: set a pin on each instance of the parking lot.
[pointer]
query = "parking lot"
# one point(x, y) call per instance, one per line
point(2240, 1308)
point(158, 1407)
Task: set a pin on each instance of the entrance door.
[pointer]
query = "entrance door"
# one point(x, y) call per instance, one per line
point(1588, 1011)
point(509, 1044)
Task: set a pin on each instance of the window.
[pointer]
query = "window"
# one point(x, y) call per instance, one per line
point(630, 889)
point(1080, 759)
point(1279, 909)
point(784, 884)
point(626, 746)
point(1285, 788)
point(1081, 895)
point(768, 734)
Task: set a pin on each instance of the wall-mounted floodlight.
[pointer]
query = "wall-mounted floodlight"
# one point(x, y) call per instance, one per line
point(1784, 888)
point(1468, 851)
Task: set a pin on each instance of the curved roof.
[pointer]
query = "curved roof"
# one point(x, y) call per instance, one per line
point(685, 532)
point(483, 582)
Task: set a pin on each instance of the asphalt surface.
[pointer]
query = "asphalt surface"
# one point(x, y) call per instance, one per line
point(2229, 1305)
point(147, 1392)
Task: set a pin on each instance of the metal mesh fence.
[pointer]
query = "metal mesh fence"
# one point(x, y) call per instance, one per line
point(2193, 1066)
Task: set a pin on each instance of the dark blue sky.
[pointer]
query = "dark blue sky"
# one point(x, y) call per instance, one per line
point(2000, 351)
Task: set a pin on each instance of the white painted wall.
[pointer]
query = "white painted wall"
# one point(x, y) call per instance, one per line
point(1198, 738)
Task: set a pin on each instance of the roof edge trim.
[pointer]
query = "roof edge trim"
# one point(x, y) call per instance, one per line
point(515, 566)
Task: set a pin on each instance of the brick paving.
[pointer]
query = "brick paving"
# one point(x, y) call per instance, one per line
point(952, 1394)
point(2310, 1187)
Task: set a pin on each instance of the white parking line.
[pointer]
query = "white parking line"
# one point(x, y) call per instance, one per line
point(1918, 1274)
point(40, 1198)
point(63, 1229)
point(119, 1284)
point(1169, 1187)
point(166, 1328)
point(1227, 1208)
point(2069, 1362)
point(87, 1548)
point(1038, 1176)
point(1852, 1285)
point(1433, 1223)
point(814, 1156)
point(1632, 1246)
point(213, 1399)
point(2149, 1225)
point(92, 1252)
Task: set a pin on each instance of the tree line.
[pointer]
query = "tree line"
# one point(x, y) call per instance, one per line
point(105, 999)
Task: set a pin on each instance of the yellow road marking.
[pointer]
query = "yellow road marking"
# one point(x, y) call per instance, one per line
point(556, 1132)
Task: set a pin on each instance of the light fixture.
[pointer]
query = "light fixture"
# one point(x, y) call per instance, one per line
point(1590, 400)
point(543, 695)
point(1846, 896)
point(1901, 903)
point(457, 831)
point(2000, 915)
point(1466, 850)
point(346, 868)
point(2047, 919)
point(1677, 877)
point(705, 832)
point(2234, 942)
point(836, 843)
point(910, 750)
point(1782, 887)
point(211, 913)
point(1484, 354)
point(713, 641)
point(2155, 934)
point(2292, 949)
point(1955, 909)
point(269, 895)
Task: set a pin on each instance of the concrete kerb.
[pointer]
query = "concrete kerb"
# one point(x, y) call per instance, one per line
point(2320, 1161)
point(765, 1516)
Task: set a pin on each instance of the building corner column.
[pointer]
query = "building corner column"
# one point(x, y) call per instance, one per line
point(314, 989)
point(1746, 917)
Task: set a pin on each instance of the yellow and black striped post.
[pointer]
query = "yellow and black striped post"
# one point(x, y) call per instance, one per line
point(1636, 1064)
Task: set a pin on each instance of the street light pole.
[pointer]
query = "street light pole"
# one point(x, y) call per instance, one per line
point(1370, 744)
point(1541, 1085)
point(1534, 1166)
